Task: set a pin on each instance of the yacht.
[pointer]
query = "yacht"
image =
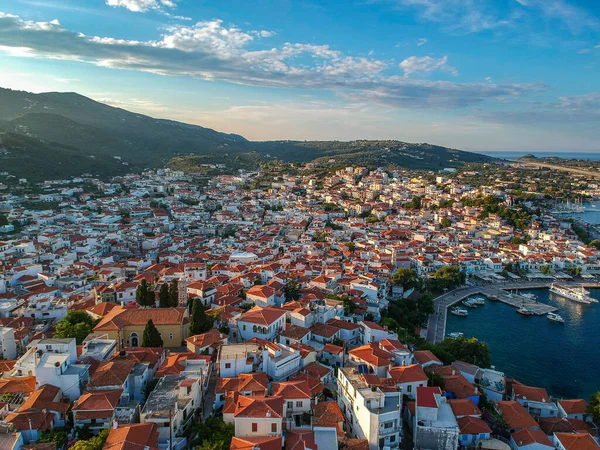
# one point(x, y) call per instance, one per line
point(523, 310)
point(576, 295)
point(459, 312)
point(470, 303)
point(478, 300)
point(555, 317)
point(455, 335)
point(528, 295)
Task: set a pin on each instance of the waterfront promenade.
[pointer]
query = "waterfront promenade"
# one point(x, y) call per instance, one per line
point(436, 326)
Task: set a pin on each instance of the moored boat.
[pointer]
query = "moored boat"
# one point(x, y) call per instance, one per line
point(455, 335)
point(470, 303)
point(523, 310)
point(555, 317)
point(573, 294)
point(478, 300)
point(459, 312)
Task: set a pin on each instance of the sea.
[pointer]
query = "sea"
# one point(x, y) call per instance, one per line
point(562, 358)
point(593, 156)
point(591, 214)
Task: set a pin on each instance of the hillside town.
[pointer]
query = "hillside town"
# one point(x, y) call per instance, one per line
point(264, 310)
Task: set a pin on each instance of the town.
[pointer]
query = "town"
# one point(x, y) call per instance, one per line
point(295, 307)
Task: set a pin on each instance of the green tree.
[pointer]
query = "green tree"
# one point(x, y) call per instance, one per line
point(3, 220)
point(593, 408)
point(595, 243)
point(199, 321)
point(545, 270)
point(141, 293)
point(76, 324)
point(57, 436)
point(470, 350)
point(151, 336)
point(174, 293)
point(447, 277)
point(407, 278)
point(349, 306)
point(292, 290)
point(445, 222)
point(213, 434)
point(95, 443)
point(163, 296)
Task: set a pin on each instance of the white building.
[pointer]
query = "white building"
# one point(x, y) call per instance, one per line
point(435, 426)
point(370, 412)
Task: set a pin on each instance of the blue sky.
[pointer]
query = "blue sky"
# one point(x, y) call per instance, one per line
point(472, 74)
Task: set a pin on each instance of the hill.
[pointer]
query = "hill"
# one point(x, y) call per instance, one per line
point(55, 135)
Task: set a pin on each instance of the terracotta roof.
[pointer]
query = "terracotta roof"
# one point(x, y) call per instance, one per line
point(295, 332)
point(425, 356)
point(111, 373)
point(259, 442)
point(515, 415)
point(262, 316)
point(464, 407)
point(119, 318)
point(317, 370)
point(527, 436)
point(39, 420)
point(255, 382)
point(44, 398)
point(551, 425)
point(573, 406)
point(459, 386)
point(327, 414)
point(323, 330)
point(426, 396)
point(24, 385)
point(258, 407)
point(210, 338)
point(535, 394)
point(407, 374)
point(372, 354)
point(291, 390)
point(97, 404)
point(577, 441)
point(300, 440)
point(139, 436)
point(473, 425)
point(333, 349)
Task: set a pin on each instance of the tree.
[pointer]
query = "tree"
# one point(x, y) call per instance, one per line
point(3, 220)
point(151, 336)
point(163, 296)
point(76, 324)
point(174, 293)
point(349, 306)
point(407, 278)
point(292, 290)
point(595, 243)
point(213, 434)
point(95, 443)
point(545, 270)
point(470, 350)
point(141, 293)
point(445, 222)
point(447, 277)
point(57, 436)
point(593, 408)
point(199, 321)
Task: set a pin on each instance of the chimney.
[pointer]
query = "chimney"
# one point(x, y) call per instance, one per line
point(115, 425)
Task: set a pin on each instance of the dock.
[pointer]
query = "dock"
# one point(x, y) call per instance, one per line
point(436, 326)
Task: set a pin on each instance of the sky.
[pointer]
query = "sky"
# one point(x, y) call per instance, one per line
point(485, 75)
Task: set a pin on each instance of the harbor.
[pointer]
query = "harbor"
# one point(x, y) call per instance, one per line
point(505, 293)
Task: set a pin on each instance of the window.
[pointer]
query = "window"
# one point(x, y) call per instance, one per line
point(273, 428)
point(254, 427)
point(392, 438)
point(171, 336)
point(409, 388)
point(299, 404)
point(290, 405)
point(228, 365)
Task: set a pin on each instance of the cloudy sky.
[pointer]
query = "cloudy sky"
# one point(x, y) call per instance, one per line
point(472, 74)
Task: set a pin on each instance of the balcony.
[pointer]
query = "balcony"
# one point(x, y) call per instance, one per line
point(388, 431)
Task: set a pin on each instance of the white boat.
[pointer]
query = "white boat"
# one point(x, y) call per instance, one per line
point(470, 303)
point(524, 311)
point(555, 317)
point(576, 295)
point(455, 335)
point(459, 312)
point(528, 295)
point(478, 300)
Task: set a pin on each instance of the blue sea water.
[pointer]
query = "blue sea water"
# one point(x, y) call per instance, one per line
point(591, 215)
point(595, 156)
point(563, 358)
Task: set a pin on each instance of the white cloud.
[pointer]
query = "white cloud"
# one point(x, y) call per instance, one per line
point(212, 51)
point(426, 64)
point(141, 5)
point(421, 42)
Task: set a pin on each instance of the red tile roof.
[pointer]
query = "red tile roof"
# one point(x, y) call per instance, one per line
point(526, 437)
point(139, 436)
point(577, 441)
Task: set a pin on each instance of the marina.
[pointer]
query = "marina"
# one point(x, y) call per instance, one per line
point(537, 350)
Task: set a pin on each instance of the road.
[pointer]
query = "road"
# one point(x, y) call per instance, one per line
point(588, 173)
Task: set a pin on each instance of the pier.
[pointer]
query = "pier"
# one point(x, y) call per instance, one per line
point(436, 326)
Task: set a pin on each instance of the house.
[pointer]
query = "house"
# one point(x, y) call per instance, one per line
point(262, 323)
point(349, 331)
point(127, 325)
point(208, 342)
point(281, 361)
point(572, 441)
point(434, 424)
point(187, 363)
point(54, 361)
point(324, 333)
point(426, 358)
point(371, 412)
point(254, 416)
point(573, 409)
point(171, 406)
point(250, 384)
point(528, 439)
point(463, 408)
point(151, 357)
point(329, 415)
point(235, 359)
point(457, 386)
point(402, 356)
point(96, 410)
point(373, 332)
point(376, 359)
point(333, 355)
point(535, 400)
point(297, 401)
point(262, 296)
point(515, 415)
point(295, 334)
point(256, 443)
point(408, 378)
point(131, 437)
point(472, 430)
